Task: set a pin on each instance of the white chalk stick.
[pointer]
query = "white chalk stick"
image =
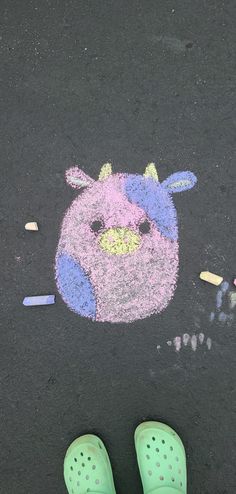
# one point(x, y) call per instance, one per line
point(212, 278)
point(32, 226)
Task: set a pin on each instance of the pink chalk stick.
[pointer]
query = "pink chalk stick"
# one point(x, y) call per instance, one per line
point(235, 281)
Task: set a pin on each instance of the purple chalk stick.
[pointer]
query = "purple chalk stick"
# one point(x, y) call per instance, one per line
point(39, 300)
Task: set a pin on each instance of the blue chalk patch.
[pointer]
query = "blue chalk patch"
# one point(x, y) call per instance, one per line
point(149, 195)
point(212, 316)
point(219, 300)
point(224, 286)
point(39, 300)
point(75, 286)
point(222, 317)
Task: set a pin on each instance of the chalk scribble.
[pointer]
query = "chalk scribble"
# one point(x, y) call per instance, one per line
point(117, 257)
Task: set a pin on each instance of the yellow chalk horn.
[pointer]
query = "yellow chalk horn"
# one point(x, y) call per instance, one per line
point(105, 172)
point(151, 171)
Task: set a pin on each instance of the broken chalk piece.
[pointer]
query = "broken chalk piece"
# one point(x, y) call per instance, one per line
point(234, 282)
point(39, 300)
point(214, 279)
point(33, 226)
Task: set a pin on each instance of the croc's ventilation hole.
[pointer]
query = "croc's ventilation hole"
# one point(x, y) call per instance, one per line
point(170, 467)
point(171, 448)
point(71, 468)
point(153, 438)
point(165, 457)
point(93, 467)
point(157, 450)
point(83, 465)
point(148, 457)
point(173, 479)
point(97, 481)
point(100, 446)
point(163, 441)
point(89, 458)
point(161, 477)
point(79, 472)
point(81, 454)
point(148, 446)
point(75, 460)
point(177, 459)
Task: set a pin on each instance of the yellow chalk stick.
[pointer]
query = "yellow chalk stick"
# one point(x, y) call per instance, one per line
point(33, 226)
point(212, 278)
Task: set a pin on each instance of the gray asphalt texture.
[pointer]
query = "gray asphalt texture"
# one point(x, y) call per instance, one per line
point(85, 82)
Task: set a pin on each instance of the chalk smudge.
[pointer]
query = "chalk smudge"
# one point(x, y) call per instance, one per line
point(201, 338)
point(194, 342)
point(219, 299)
point(189, 341)
point(209, 343)
point(222, 316)
point(224, 286)
point(212, 317)
point(177, 343)
point(186, 338)
point(232, 300)
point(117, 257)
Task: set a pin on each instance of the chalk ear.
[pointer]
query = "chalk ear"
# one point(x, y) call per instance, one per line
point(77, 179)
point(179, 181)
point(105, 172)
point(151, 171)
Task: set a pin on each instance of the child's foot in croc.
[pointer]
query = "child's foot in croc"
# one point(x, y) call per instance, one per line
point(161, 459)
point(87, 467)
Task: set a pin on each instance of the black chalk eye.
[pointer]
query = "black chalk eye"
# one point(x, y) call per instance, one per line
point(144, 227)
point(96, 225)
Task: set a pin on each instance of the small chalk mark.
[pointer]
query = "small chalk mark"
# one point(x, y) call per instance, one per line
point(209, 343)
point(201, 337)
point(186, 339)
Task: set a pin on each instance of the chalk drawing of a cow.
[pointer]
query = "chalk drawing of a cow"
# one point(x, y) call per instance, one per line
point(117, 257)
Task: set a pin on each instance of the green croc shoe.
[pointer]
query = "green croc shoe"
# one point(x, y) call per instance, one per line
point(87, 467)
point(161, 459)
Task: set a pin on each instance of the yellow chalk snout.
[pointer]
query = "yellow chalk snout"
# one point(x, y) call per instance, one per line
point(119, 241)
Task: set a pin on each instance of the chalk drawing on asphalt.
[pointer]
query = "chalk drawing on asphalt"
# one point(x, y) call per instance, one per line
point(117, 257)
